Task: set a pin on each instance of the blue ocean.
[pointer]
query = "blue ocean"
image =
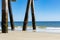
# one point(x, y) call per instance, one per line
point(38, 23)
point(41, 26)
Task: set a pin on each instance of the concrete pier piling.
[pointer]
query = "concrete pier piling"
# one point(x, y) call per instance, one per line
point(4, 16)
point(10, 14)
point(30, 3)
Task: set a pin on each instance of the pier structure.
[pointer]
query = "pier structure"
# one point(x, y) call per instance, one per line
point(6, 8)
point(29, 4)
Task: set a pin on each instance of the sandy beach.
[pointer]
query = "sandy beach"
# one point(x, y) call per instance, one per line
point(25, 35)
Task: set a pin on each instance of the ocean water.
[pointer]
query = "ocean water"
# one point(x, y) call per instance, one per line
point(38, 23)
point(49, 26)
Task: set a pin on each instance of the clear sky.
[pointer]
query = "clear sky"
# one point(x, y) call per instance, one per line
point(45, 10)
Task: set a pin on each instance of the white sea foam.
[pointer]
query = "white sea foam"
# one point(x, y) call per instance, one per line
point(30, 29)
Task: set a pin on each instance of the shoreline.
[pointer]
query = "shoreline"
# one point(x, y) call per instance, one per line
point(29, 34)
point(38, 29)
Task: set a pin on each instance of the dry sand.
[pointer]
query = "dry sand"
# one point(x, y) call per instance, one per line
point(18, 35)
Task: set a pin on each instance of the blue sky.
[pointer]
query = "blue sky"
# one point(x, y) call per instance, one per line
point(45, 10)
